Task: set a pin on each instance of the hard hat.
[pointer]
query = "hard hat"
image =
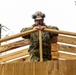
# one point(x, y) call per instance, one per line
point(38, 15)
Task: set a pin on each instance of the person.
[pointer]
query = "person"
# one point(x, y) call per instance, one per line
point(34, 38)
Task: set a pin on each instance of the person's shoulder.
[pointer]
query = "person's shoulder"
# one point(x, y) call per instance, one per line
point(26, 28)
point(53, 27)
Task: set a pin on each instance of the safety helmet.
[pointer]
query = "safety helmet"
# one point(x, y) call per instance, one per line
point(38, 15)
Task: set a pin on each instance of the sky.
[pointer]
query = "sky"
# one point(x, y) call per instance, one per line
point(16, 14)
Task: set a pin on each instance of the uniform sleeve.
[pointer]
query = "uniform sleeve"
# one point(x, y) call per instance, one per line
point(26, 29)
point(55, 28)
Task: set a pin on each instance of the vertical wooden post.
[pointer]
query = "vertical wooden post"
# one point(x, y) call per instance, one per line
point(0, 32)
point(40, 45)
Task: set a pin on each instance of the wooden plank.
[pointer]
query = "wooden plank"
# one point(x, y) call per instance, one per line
point(53, 67)
point(68, 40)
point(67, 56)
point(55, 55)
point(54, 47)
point(60, 32)
point(54, 39)
point(61, 47)
point(67, 67)
point(14, 45)
point(13, 55)
point(67, 48)
point(29, 69)
point(18, 35)
point(41, 68)
point(22, 60)
point(8, 69)
point(1, 69)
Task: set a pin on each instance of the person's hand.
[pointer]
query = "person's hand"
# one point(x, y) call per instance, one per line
point(42, 27)
point(36, 27)
point(39, 27)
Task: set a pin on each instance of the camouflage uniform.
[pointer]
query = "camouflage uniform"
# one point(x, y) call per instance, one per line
point(34, 45)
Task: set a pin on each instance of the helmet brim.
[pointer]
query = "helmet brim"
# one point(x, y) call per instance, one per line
point(38, 18)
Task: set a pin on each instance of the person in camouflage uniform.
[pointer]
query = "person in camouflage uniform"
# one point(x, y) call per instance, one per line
point(34, 38)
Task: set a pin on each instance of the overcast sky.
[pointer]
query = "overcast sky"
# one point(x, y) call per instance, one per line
point(16, 14)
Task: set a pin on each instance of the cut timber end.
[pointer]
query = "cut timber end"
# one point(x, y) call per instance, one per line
point(54, 48)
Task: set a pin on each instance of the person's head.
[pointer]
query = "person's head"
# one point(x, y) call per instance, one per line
point(38, 17)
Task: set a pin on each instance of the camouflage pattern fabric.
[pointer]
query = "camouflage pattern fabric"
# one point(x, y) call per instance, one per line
point(34, 45)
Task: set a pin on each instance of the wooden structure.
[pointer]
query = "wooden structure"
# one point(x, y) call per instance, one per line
point(63, 50)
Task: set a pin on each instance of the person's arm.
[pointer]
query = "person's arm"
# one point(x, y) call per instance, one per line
point(26, 29)
point(55, 28)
